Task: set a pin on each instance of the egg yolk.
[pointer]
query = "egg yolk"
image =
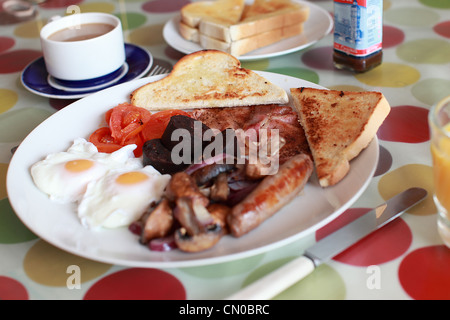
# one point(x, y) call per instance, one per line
point(78, 165)
point(131, 177)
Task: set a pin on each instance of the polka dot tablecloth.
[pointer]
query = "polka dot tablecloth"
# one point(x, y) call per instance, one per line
point(404, 260)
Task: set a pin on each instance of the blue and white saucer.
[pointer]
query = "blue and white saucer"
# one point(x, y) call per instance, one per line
point(36, 79)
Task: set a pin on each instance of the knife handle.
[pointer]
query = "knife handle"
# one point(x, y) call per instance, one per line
point(277, 281)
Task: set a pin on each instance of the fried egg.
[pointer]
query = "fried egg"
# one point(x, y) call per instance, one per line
point(121, 197)
point(64, 176)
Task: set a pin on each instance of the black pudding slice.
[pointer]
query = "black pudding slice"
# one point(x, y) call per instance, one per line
point(184, 129)
point(154, 153)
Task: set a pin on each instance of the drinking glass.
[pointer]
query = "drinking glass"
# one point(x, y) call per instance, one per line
point(439, 121)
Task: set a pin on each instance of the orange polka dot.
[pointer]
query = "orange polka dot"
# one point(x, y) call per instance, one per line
point(105, 7)
point(8, 99)
point(3, 170)
point(30, 29)
point(411, 175)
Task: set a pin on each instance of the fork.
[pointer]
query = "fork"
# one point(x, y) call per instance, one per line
point(157, 69)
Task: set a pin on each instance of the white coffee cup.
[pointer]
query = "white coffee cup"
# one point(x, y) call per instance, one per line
point(83, 59)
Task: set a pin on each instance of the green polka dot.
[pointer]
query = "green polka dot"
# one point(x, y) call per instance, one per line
point(49, 265)
point(15, 125)
point(256, 65)
point(404, 177)
point(225, 269)
point(8, 99)
point(305, 74)
point(441, 4)
point(430, 91)
point(12, 230)
point(323, 284)
point(413, 17)
point(392, 75)
point(131, 20)
point(141, 36)
point(432, 51)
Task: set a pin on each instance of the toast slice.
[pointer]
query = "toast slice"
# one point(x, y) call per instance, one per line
point(205, 79)
point(224, 11)
point(188, 32)
point(260, 17)
point(243, 46)
point(338, 126)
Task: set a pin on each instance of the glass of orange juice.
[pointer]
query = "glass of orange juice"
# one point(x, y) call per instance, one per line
point(439, 121)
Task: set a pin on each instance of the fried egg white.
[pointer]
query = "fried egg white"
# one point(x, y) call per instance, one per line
point(121, 197)
point(63, 176)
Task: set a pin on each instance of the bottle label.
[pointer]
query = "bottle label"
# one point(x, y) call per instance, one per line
point(358, 26)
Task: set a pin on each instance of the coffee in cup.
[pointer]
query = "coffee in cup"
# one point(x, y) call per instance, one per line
point(83, 32)
point(83, 46)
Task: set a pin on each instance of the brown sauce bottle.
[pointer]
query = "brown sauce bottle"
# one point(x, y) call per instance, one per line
point(358, 34)
point(348, 62)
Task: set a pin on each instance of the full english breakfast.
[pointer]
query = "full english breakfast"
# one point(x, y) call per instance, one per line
point(209, 151)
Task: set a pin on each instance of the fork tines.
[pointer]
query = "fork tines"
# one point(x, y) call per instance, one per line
point(157, 69)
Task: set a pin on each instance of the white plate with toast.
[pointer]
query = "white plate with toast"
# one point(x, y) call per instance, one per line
point(318, 25)
point(59, 225)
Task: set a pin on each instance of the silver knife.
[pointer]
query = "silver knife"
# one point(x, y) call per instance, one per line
point(330, 246)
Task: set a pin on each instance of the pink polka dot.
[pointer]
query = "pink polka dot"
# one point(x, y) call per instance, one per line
point(405, 124)
point(59, 104)
point(392, 36)
point(443, 29)
point(137, 284)
point(161, 6)
point(380, 246)
point(173, 53)
point(424, 273)
point(6, 43)
point(384, 162)
point(53, 4)
point(11, 289)
point(17, 60)
point(319, 58)
point(345, 218)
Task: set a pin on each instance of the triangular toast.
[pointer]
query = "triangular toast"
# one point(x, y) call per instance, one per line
point(208, 78)
point(338, 126)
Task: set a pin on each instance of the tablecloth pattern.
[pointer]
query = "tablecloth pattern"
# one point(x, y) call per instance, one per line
point(404, 260)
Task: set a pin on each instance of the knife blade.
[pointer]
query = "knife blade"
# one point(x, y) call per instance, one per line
point(330, 246)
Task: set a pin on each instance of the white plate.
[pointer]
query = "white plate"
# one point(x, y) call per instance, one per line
point(318, 25)
point(59, 225)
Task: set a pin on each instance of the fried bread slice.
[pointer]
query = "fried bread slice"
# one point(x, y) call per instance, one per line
point(338, 126)
point(208, 78)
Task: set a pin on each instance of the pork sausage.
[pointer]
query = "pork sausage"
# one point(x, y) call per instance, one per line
point(274, 192)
